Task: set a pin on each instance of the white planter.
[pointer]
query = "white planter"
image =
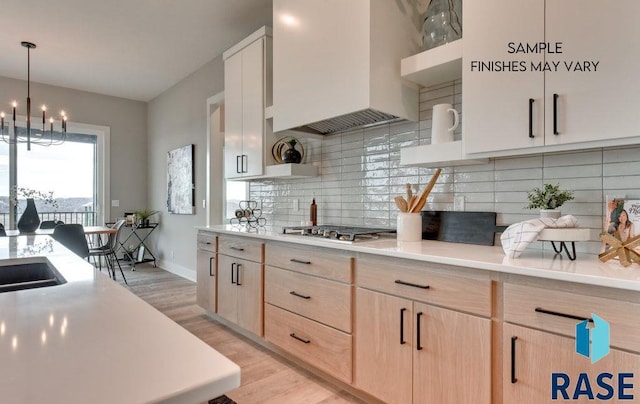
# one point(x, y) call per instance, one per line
point(552, 213)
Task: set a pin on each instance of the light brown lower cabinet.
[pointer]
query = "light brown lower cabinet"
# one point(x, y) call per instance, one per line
point(206, 276)
point(531, 357)
point(240, 292)
point(406, 351)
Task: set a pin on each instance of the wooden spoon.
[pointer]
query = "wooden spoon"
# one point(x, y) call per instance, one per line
point(401, 203)
point(420, 202)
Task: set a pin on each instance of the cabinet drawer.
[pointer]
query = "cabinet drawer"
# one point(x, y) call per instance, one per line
point(240, 247)
point(426, 282)
point(521, 302)
point(324, 262)
point(319, 299)
point(321, 346)
point(207, 241)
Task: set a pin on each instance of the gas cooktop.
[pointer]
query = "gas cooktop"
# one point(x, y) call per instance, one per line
point(339, 233)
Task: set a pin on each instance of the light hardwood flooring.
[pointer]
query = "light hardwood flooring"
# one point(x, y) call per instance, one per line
point(266, 377)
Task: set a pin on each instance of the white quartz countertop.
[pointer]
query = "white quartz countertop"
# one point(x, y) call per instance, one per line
point(90, 340)
point(586, 269)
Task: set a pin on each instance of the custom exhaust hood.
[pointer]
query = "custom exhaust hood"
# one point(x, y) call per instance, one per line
point(336, 64)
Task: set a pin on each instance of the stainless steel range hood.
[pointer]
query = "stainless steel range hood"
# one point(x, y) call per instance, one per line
point(336, 64)
point(360, 119)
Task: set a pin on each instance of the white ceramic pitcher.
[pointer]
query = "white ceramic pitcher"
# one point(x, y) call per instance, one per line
point(441, 127)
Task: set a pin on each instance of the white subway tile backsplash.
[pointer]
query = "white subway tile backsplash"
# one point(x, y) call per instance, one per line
point(361, 174)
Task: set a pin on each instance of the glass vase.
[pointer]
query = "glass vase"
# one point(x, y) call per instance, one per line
point(442, 23)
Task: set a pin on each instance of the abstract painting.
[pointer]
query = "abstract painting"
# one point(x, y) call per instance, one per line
point(180, 181)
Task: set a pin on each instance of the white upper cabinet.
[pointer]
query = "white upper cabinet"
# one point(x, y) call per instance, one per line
point(594, 102)
point(246, 95)
point(336, 57)
point(584, 97)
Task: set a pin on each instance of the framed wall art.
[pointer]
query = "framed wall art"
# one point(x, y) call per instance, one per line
point(180, 181)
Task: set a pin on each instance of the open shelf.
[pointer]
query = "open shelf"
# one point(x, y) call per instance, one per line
point(434, 66)
point(288, 171)
point(437, 155)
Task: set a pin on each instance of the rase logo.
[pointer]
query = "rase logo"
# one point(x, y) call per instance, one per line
point(593, 343)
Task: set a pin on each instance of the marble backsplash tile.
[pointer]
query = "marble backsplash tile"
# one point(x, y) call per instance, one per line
point(361, 173)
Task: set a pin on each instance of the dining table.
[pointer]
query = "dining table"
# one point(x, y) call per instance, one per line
point(88, 230)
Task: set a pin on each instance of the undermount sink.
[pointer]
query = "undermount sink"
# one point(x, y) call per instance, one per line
point(28, 275)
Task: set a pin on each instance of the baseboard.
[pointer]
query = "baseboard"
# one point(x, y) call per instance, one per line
point(179, 270)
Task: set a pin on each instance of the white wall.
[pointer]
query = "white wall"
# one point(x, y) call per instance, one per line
point(361, 174)
point(126, 118)
point(175, 118)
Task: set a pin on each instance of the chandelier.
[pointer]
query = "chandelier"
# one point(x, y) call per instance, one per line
point(42, 137)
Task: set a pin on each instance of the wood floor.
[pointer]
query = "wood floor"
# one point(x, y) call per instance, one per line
point(266, 378)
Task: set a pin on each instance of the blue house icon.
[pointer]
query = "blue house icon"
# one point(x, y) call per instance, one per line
point(593, 342)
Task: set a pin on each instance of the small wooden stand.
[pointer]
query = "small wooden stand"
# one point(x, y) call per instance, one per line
point(564, 236)
point(624, 250)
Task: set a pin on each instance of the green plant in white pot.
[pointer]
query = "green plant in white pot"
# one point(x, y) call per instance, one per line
point(143, 216)
point(548, 199)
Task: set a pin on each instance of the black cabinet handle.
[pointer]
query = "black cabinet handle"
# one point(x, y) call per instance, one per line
point(299, 295)
point(293, 335)
point(238, 164)
point(238, 274)
point(208, 243)
point(245, 157)
point(236, 248)
point(399, 282)
point(402, 341)
point(418, 346)
point(531, 101)
point(300, 261)
point(556, 313)
point(513, 360)
point(233, 265)
point(555, 114)
point(211, 266)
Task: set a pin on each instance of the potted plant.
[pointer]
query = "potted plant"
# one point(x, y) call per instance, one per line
point(548, 199)
point(143, 216)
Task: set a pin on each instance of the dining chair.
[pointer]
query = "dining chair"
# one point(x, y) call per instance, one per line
point(72, 236)
point(108, 251)
point(50, 224)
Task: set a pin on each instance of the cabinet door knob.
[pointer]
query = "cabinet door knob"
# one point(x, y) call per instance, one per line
point(402, 341)
point(234, 248)
point(418, 346)
point(300, 261)
point(555, 114)
point(238, 274)
point(414, 285)
point(514, 379)
point(557, 313)
point(531, 101)
point(293, 292)
point(233, 267)
point(238, 171)
point(211, 266)
point(293, 335)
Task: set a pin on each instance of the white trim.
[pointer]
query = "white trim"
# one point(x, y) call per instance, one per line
point(103, 147)
point(179, 270)
point(103, 150)
point(261, 32)
point(213, 102)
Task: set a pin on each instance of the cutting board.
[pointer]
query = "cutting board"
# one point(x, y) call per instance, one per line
point(460, 227)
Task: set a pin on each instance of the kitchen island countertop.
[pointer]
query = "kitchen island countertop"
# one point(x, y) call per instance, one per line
point(91, 340)
point(586, 269)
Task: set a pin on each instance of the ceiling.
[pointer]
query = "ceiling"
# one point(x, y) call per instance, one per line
point(134, 49)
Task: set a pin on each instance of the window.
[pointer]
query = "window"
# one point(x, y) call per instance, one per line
point(236, 191)
point(75, 171)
